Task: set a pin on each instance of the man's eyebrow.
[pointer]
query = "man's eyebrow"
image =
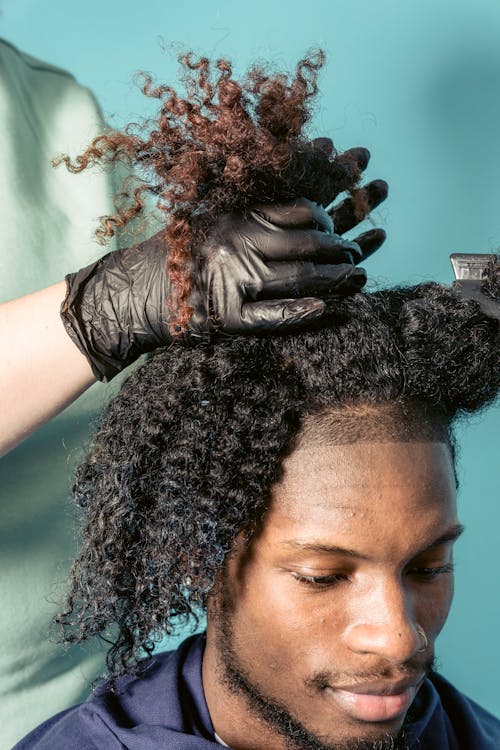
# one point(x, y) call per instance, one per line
point(331, 549)
point(451, 535)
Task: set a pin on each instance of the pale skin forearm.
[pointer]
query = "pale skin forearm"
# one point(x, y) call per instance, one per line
point(41, 369)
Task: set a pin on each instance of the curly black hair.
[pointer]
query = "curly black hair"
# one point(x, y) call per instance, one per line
point(186, 455)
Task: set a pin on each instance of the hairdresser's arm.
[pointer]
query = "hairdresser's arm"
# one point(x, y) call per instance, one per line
point(41, 370)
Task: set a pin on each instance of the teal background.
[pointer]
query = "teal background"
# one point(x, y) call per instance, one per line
point(418, 83)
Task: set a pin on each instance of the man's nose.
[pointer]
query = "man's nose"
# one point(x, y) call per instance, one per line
point(384, 623)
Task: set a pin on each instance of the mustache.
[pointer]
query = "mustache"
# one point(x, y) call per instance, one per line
point(410, 670)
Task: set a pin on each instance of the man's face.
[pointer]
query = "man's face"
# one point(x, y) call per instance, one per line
point(316, 631)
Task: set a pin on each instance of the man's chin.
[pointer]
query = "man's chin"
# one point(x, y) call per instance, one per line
point(299, 733)
point(386, 735)
point(389, 731)
point(379, 735)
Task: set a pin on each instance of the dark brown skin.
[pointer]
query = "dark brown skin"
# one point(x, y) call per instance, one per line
point(387, 502)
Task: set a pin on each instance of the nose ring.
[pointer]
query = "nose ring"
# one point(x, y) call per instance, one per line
point(422, 634)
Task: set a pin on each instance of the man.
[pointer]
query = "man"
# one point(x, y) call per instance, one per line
point(303, 490)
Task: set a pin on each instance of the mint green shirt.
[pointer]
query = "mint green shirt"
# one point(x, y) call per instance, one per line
point(48, 217)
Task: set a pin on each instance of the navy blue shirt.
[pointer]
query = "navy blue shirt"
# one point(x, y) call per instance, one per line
point(165, 709)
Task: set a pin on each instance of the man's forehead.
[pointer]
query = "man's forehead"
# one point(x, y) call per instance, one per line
point(362, 477)
point(355, 463)
point(395, 497)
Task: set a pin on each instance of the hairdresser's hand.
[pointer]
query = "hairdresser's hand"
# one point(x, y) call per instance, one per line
point(250, 275)
point(270, 270)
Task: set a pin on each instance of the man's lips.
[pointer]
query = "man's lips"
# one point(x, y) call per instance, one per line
point(381, 687)
point(376, 701)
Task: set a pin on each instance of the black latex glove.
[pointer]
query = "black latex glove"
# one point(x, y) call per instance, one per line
point(250, 276)
point(259, 273)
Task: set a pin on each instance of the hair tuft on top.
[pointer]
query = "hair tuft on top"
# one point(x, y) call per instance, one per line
point(225, 146)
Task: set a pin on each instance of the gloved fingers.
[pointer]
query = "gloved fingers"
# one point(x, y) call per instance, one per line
point(307, 279)
point(344, 214)
point(370, 241)
point(307, 244)
point(285, 314)
point(300, 212)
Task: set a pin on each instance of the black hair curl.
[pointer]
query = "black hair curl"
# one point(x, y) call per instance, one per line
point(186, 455)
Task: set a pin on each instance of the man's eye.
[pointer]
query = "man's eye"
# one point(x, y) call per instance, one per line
point(430, 574)
point(320, 581)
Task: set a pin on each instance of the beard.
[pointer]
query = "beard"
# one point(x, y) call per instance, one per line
point(277, 717)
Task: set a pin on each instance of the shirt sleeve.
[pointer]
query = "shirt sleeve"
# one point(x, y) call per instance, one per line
point(78, 728)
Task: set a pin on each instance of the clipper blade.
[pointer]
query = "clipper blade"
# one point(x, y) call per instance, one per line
point(470, 266)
